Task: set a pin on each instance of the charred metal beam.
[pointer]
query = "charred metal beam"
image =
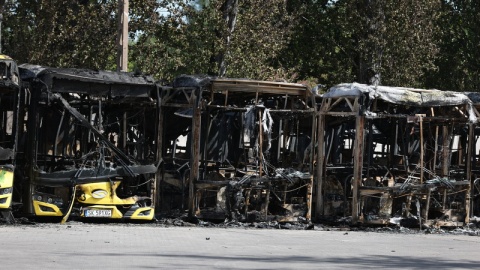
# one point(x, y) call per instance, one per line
point(314, 135)
point(195, 149)
point(87, 124)
point(90, 175)
point(446, 137)
point(469, 161)
point(272, 111)
point(320, 169)
point(245, 86)
point(159, 133)
point(358, 161)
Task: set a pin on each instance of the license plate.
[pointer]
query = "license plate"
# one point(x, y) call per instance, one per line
point(98, 213)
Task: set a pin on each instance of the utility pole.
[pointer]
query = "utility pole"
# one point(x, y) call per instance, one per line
point(122, 36)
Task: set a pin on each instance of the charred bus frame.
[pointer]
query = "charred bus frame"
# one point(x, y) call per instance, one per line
point(88, 143)
point(241, 149)
point(404, 154)
point(244, 156)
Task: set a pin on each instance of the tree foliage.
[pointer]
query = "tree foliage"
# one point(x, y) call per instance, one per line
point(391, 42)
point(62, 32)
point(193, 37)
point(430, 43)
point(179, 42)
point(458, 67)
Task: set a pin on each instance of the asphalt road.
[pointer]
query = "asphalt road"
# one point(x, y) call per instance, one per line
point(120, 246)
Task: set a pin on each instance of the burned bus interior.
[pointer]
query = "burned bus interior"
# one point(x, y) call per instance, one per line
point(88, 139)
point(236, 149)
point(9, 91)
point(9, 98)
point(395, 155)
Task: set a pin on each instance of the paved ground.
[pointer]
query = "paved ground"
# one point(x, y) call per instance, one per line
point(97, 246)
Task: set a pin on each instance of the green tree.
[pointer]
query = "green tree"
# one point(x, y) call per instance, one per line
point(170, 47)
point(392, 42)
point(262, 32)
point(396, 43)
point(196, 37)
point(458, 67)
point(410, 43)
point(321, 45)
point(62, 33)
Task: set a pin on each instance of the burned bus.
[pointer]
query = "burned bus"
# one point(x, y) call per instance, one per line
point(87, 142)
point(395, 155)
point(99, 144)
point(9, 97)
point(237, 149)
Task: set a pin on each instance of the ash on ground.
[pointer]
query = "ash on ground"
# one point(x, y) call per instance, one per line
point(182, 220)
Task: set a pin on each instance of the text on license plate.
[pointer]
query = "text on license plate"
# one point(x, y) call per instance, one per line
point(98, 213)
